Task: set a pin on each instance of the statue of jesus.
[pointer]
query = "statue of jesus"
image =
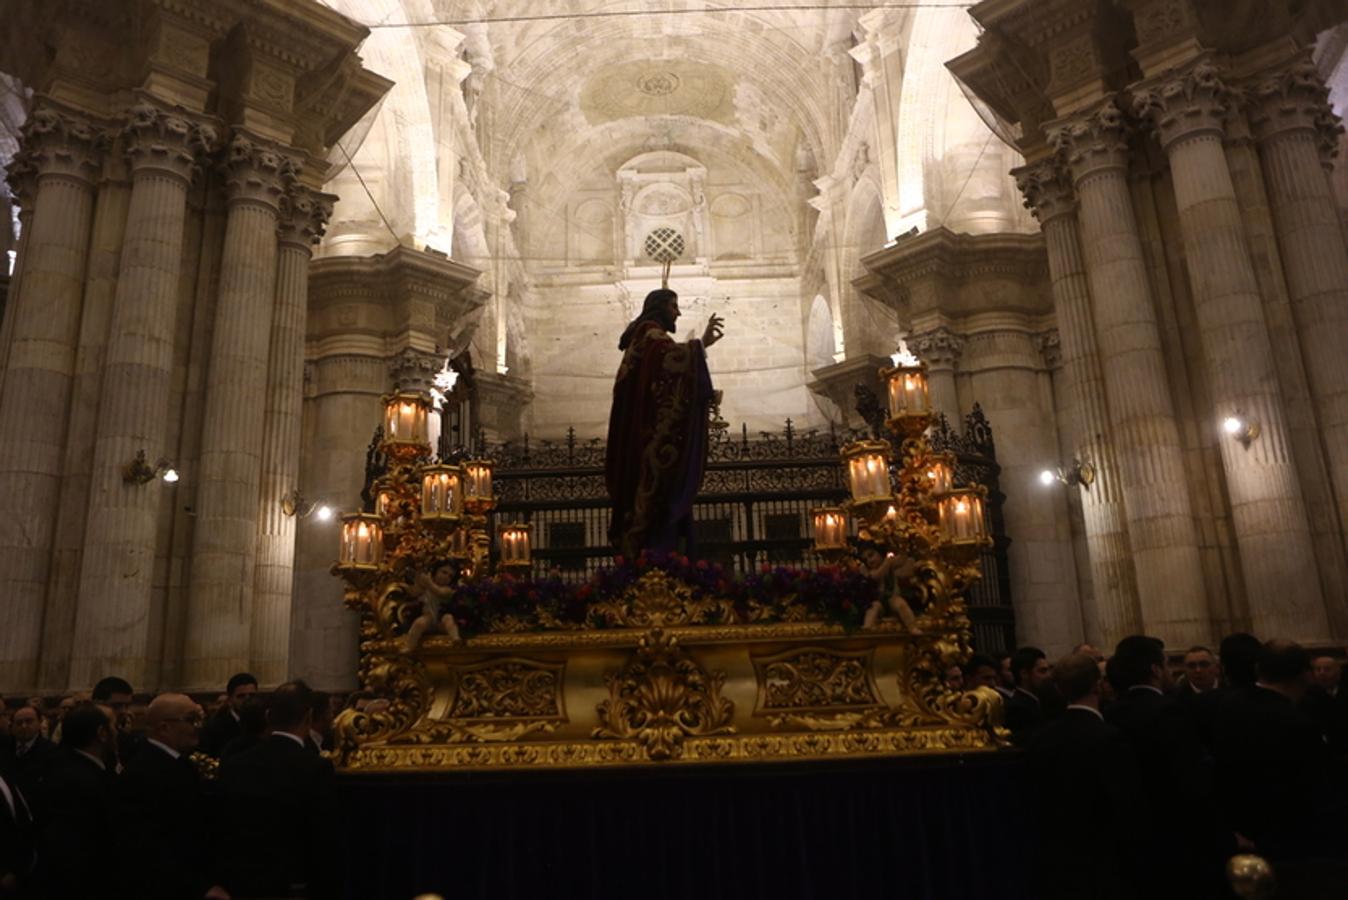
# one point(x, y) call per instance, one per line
point(657, 430)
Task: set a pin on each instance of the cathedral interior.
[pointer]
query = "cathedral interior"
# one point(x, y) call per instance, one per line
point(1111, 234)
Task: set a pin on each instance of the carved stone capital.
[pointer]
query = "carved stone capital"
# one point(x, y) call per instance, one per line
point(256, 173)
point(1093, 141)
point(1328, 132)
point(1186, 105)
point(164, 142)
point(304, 216)
point(1292, 98)
point(21, 176)
point(1050, 347)
point(939, 348)
point(413, 370)
point(1047, 188)
point(60, 144)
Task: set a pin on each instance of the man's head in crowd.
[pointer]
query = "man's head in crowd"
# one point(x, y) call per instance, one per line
point(91, 727)
point(1004, 673)
point(25, 724)
point(1240, 658)
point(1088, 649)
point(1285, 667)
point(1139, 660)
point(173, 720)
point(116, 693)
point(1077, 677)
point(1201, 668)
point(239, 689)
point(1030, 668)
point(291, 709)
point(980, 671)
point(1327, 671)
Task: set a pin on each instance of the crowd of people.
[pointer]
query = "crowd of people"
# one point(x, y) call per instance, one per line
point(1145, 781)
point(89, 782)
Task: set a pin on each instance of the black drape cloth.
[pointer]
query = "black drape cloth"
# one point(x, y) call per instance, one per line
point(927, 829)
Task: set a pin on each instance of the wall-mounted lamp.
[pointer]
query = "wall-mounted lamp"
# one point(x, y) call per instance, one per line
point(295, 504)
point(1241, 428)
point(1079, 473)
point(139, 470)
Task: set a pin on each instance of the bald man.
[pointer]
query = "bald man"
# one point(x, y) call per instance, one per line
point(163, 805)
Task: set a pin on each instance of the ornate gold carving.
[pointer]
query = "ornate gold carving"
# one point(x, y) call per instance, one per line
point(662, 697)
point(815, 678)
point(508, 688)
point(656, 600)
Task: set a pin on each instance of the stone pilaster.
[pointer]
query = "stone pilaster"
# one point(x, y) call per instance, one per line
point(1151, 465)
point(224, 546)
point(1287, 110)
point(1272, 530)
point(940, 349)
point(1114, 611)
point(112, 618)
point(304, 214)
point(22, 178)
point(35, 405)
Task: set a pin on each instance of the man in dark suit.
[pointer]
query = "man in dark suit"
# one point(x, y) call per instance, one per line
point(77, 834)
point(26, 755)
point(1176, 771)
point(279, 802)
point(1086, 796)
point(225, 725)
point(163, 806)
point(1327, 703)
point(18, 846)
point(1025, 709)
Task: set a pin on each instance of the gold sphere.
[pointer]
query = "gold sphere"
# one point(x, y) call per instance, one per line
point(1251, 877)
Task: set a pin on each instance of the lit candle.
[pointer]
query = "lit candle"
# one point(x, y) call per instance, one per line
point(830, 529)
point(515, 545)
point(961, 517)
point(441, 499)
point(362, 544)
point(908, 392)
point(941, 477)
point(405, 416)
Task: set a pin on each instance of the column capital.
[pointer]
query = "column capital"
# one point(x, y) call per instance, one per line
point(304, 216)
point(938, 347)
point(62, 144)
point(413, 370)
point(1185, 104)
point(1293, 97)
point(1050, 347)
point(1093, 141)
point(1047, 188)
point(256, 172)
point(165, 141)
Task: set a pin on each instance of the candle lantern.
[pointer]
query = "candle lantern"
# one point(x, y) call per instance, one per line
point(941, 476)
point(868, 471)
point(460, 544)
point(441, 494)
point(385, 499)
point(405, 424)
point(362, 543)
point(515, 546)
point(909, 394)
point(830, 528)
point(960, 514)
point(477, 489)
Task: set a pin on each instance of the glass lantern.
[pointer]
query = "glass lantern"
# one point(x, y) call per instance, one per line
point(868, 471)
point(941, 476)
point(830, 528)
point(441, 494)
point(406, 432)
point(477, 488)
point(515, 546)
point(960, 515)
point(362, 547)
point(385, 499)
point(909, 393)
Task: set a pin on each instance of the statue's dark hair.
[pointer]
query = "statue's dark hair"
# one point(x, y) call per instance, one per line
point(653, 310)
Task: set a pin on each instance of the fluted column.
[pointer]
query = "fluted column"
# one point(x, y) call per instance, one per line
point(224, 541)
point(303, 214)
point(1267, 510)
point(1286, 111)
point(940, 349)
point(1113, 610)
point(116, 571)
point(22, 177)
point(35, 404)
point(1160, 518)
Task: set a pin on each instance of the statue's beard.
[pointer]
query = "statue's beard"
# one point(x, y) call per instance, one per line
point(666, 321)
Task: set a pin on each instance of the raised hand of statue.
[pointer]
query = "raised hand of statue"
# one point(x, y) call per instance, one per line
point(714, 332)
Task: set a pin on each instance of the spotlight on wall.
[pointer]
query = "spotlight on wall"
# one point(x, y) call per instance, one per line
point(295, 504)
point(1079, 473)
point(323, 513)
point(139, 470)
point(1241, 428)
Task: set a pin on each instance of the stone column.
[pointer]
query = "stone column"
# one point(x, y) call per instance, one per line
point(224, 540)
point(1114, 610)
point(22, 178)
point(35, 405)
point(940, 349)
point(1267, 511)
point(1286, 109)
point(1151, 465)
point(303, 214)
point(111, 631)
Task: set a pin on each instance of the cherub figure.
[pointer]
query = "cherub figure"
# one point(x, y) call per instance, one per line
point(433, 588)
point(889, 571)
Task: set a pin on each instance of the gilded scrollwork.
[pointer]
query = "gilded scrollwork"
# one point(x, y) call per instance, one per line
point(657, 601)
point(508, 688)
point(814, 679)
point(662, 697)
